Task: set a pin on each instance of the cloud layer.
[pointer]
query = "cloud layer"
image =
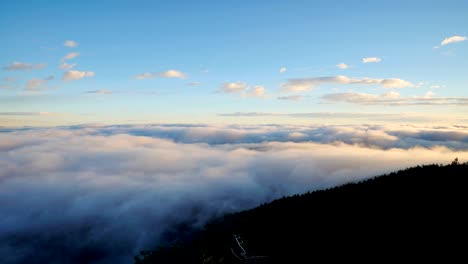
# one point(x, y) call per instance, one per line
point(306, 84)
point(166, 74)
point(394, 99)
point(101, 193)
point(24, 66)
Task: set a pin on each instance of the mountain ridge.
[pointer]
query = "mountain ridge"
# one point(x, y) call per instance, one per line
point(415, 213)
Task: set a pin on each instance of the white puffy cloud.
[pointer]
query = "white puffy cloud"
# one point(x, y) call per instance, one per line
point(70, 43)
point(24, 66)
point(117, 189)
point(76, 75)
point(71, 55)
point(67, 66)
point(36, 84)
point(283, 69)
point(306, 84)
point(171, 74)
point(371, 60)
point(234, 87)
point(343, 65)
point(453, 39)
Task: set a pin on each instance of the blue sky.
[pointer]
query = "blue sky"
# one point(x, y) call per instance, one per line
point(219, 62)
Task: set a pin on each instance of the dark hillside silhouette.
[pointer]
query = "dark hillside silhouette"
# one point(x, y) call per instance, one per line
point(414, 214)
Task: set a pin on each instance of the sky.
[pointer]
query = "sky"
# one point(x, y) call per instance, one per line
point(210, 62)
point(122, 120)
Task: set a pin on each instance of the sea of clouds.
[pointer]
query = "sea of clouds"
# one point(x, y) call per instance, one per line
point(100, 194)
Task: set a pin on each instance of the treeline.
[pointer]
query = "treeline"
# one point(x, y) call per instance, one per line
point(413, 214)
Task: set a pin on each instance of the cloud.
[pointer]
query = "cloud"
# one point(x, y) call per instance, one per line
point(166, 74)
point(450, 40)
point(25, 113)
point(71, 55)
point(70, 44)
point(76, 75)
point(291, 97)
point(193, 83)
point(7, 86)
point(244, 89)
point(145, 75)
point(371, 60)
point(102, 193)
point(36, 84)
point(170, 74)
point(342, 66)
point(394, 99)
point(102, 91)
point(234, 87)
point(282, 70)
point(24, 66)
point(356, 117)
point(306, 84)
point(256, 91)
point(67, 66)
point(9, 79)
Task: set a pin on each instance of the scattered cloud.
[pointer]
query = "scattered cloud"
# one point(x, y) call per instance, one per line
point(170, 74)
point(9, 79)
point(234, 87)
point(25, 113)
point(283, 70)
point(36, 84)
point(193, 83)
point(450, 40)
point(76, 75)
point(145, 75)
point(291, 97)
point(71, 55)
point(166, 74)
point(400, 118)
point(436, 86)
point(256, 91)
point(306, 84)
point(101, 91)
point(67, 66)
point(394, 99)
point(24, 66)
point(371, 60)
point(244, 89)
point(70, 44)
point(343, 65)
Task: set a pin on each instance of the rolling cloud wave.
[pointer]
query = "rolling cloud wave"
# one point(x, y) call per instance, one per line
point(102, 193)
